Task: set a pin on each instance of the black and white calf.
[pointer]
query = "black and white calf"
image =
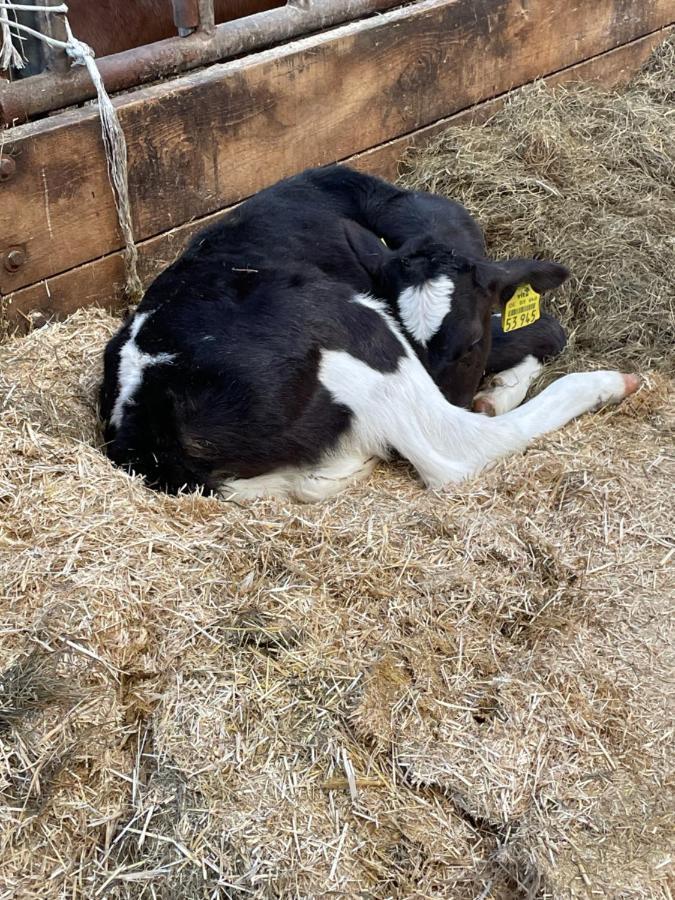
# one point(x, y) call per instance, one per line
point(289, 348)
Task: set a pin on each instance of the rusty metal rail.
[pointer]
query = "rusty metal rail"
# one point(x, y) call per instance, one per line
point(45, 93)
point(207, 21)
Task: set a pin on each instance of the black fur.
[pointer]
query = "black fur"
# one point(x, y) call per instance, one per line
point(544, 339)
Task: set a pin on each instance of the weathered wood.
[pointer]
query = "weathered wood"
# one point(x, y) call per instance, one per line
point(206, 140)
point(101, 282)
point(608, 69)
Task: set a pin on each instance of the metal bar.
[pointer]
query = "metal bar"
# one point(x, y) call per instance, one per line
point(207, 18)
point(53, 25)
point(31, 7)
point(41, 94)
point(185, 16)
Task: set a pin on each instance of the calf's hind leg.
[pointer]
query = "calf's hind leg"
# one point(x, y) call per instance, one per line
point(406, 410)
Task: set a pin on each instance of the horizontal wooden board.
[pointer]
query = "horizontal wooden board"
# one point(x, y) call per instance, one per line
point(208, 139)
point(101, 282)
point(608, 69)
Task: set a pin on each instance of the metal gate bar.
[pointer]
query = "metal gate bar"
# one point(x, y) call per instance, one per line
point(185, 16)
point(41, 94)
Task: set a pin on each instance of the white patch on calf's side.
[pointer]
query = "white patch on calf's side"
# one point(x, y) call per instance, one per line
point(346, 464)
point(424, 306)
point(132, 364)
point(506, 390)
point(336, 472)
point(406, 411)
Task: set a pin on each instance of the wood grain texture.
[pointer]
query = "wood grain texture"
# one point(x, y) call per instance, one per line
point(609, 69)
point(206, 140)
point(101, 282)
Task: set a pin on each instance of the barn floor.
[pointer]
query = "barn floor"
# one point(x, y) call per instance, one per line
point(396, 693)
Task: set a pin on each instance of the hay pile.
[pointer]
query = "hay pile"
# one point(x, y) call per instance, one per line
point(588, 178)
point(393, 694)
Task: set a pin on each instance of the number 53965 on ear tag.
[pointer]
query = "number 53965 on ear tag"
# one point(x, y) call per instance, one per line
point(522, 309)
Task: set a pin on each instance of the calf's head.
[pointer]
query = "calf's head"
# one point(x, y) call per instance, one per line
point(444, 302)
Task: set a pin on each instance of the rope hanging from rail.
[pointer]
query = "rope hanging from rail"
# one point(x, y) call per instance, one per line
point(113, 136)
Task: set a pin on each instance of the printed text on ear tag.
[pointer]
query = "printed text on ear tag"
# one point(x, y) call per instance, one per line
point(522, 309)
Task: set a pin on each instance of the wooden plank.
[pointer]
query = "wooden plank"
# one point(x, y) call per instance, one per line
point(101, 282)
point(208, 139)
point(609, 69)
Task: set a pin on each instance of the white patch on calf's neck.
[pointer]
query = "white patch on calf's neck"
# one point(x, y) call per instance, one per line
point(131, 366)
point(423, 307)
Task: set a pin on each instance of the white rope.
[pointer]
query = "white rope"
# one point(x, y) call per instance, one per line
point(116, 158)
point(113, 137)
point(28, 7)
point(53, 42)
point(9, 55)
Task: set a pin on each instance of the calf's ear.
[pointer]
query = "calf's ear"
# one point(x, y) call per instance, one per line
point(502, 278)
point(368, 249)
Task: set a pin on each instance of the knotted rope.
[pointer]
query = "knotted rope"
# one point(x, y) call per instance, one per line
point(113, 136)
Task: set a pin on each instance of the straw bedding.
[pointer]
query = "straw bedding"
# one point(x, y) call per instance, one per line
point(396, 693)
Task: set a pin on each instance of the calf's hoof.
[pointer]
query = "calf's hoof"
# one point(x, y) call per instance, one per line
point(613, 387)
point(483, 405)
point(632, 383)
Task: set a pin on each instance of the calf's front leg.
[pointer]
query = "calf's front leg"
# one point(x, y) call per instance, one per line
point(506, 390)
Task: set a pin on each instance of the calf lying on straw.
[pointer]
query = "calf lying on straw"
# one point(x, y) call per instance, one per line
point(323, 323)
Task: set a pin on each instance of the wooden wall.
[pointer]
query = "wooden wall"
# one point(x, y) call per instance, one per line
point(198, 144)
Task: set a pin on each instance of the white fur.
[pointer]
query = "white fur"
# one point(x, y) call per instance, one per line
point(373, 303)
point(345, 465)
point(507, 390)
point(133, 362)
point(308, 485)
point(564, 400)
point(406, 411)
point(424, 307)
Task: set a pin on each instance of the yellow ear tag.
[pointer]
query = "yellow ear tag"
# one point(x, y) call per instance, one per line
point(384, 242)
point(522, 309)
